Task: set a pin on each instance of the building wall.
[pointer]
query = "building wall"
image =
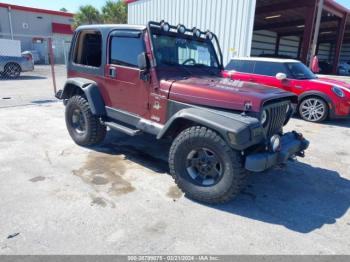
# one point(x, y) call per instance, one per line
point(231, 20)
point(31, 25)
point(264, 42)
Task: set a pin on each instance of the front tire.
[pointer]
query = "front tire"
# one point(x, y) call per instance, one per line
point(204, 167)
point(84, 127)
point(313, 109)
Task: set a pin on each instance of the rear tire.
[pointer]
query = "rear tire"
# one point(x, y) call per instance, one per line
point(313, 109)
point(12, 70)
point(84, 127)
point(219, 179)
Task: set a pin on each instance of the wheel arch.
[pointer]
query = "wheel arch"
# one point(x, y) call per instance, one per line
point(317, 94)
point(13, 63)
point(88, 88)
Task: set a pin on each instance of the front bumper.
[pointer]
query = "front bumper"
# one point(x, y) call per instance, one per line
point(340, 110)
point(292, 144)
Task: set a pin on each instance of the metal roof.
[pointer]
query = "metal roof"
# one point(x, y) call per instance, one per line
point(36, 10)
point(287, 18)
point(111, 27)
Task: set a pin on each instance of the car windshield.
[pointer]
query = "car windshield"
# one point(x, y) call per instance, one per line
point(300, 71)
point(185, 51)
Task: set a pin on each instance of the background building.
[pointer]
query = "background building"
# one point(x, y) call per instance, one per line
point(260, 27)
point(33, 27)
point(232, 21)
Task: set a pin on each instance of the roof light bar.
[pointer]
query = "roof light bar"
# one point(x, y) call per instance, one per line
point(165, 26)
point(181, 29)
point(196, 32)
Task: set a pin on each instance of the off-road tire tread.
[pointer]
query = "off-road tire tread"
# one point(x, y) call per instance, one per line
point(241, 173)
point(98, 130)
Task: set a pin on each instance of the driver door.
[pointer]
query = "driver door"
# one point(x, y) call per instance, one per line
point(126, 90)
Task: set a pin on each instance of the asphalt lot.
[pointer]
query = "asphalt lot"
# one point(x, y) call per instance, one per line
point(59, 198)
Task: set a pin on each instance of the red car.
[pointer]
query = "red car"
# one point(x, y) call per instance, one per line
point(319, 97)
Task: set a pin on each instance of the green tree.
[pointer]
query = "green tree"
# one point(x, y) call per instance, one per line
point(63, 9)
point(115, 12)
point(87, 14)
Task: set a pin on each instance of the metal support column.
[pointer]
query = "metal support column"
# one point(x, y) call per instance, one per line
point(308, 32)
point(339, 42)
point(277, 44)
point(317, 29)
point(10, 21)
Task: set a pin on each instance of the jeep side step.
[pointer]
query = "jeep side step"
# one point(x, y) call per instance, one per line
point(123, 129)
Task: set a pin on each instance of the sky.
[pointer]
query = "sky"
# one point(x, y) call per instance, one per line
point(73, 5)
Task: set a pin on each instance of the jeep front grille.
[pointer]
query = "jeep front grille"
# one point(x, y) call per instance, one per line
point(276, 116)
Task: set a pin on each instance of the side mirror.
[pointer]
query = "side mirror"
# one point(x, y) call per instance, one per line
point(281, 76)
point(144, 65)
point(142, 62)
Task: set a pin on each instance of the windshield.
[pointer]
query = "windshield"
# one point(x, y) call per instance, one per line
point(300, 71)
point(181, 50)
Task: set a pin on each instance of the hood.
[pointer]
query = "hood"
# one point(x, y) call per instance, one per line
point(332, 82)
point(224, 93)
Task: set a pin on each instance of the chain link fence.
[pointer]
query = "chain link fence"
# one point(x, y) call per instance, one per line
point(36, 65)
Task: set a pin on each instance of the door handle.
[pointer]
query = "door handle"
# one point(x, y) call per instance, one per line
point(112, 72)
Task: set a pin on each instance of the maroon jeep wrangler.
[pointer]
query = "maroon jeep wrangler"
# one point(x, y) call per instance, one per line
point(166, 80)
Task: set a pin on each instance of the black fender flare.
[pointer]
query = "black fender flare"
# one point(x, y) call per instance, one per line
point(246, 131)
point(91, 91)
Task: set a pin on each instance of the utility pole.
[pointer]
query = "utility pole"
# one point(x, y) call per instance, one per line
point(10, 21)
point(317, 29)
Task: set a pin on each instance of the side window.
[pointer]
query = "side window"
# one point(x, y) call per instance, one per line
point(88, 49)
point(234, 65)
point(241, 66)
point(247, 66)
point(125, 50)
point(269, 68)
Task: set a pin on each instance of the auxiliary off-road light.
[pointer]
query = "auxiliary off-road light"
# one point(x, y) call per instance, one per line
point(196, 32)
point(181, 29)
point(275, 143)
point(165, 26)
point(209, 35)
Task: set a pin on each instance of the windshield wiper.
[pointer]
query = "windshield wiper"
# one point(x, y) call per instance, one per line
point(200, 65)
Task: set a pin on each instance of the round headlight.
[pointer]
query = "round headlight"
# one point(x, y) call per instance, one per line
point(181, 29)
point(275, 143)
point(196, 32)
point(165, 26)
point(263, 119)
point(338, 91)
point(209, 35)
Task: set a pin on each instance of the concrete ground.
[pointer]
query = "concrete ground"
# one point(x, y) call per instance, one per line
point(59, 198)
